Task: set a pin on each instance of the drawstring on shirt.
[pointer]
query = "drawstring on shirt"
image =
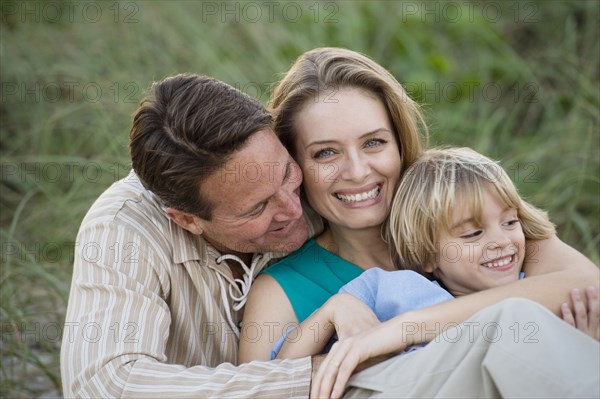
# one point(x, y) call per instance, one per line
point(245, 283)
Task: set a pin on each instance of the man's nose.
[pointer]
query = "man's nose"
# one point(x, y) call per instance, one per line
point(290, 204)
point(290, 207)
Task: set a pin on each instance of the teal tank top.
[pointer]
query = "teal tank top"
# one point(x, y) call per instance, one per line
point(310, 276)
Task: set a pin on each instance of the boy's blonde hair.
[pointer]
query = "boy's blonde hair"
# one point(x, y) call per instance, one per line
point(429, 192)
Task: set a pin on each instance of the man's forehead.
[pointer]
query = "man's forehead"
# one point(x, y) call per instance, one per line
point(250, 175)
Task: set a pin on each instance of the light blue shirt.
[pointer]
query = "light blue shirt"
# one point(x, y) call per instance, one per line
point(388, 294)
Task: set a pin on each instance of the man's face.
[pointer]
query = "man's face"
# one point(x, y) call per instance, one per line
point(255, 198)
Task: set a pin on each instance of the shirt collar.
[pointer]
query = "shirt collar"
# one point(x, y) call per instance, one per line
point(186, 246)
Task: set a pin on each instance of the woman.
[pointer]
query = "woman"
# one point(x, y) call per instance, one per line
point(353, 130)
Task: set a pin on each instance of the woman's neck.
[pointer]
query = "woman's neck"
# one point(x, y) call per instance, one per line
point(364, 248)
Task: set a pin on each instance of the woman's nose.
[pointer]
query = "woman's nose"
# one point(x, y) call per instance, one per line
point(355, 167)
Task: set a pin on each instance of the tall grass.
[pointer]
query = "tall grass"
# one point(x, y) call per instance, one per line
point(515, 80)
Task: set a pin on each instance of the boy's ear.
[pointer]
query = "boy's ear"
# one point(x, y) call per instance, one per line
point(189, 222)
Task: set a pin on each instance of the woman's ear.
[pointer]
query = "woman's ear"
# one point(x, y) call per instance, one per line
point(189, 222)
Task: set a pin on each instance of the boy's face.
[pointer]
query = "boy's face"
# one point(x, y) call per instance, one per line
point(476, 257)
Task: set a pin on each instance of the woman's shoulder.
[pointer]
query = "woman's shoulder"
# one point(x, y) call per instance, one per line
point(301, 257)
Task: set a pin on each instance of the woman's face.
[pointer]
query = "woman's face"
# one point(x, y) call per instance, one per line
point(349, 156)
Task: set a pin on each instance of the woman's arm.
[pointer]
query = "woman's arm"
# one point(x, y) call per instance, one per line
point(552, 267)
point(553, 255)
point(552, 272)
point(585, 318)
point(268, 313)
point(343, 313)
point(310, 337)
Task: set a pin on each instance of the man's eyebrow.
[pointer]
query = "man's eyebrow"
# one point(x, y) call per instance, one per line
point(286, 175)
point(253, 209)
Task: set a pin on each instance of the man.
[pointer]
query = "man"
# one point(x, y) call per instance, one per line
point(154, 307)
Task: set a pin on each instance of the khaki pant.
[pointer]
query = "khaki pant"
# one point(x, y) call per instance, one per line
point(515, 349)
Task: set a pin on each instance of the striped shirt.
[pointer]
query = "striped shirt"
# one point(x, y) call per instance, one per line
point(152, 311)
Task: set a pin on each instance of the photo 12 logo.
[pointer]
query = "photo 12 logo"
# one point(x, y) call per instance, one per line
point(469, 11)
point(269, 11)
point(70, 91)
point(62, 172)
point(69, 11)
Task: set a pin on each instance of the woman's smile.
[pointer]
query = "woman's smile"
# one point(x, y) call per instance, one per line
point(356, 148)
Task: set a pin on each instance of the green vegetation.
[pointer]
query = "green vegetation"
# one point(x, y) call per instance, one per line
point(517, 81)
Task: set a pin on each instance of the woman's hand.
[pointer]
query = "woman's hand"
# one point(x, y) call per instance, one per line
point(355, 353)
point(350, 315)
point(342, 313)
point(587, 317)
point(351, 318)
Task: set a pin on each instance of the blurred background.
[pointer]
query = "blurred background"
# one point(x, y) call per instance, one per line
point(516, 80)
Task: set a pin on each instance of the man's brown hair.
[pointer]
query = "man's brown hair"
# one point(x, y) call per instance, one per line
point(186, 131)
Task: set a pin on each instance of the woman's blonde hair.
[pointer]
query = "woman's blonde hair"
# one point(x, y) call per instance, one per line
point(318, 74)
point(432, 188)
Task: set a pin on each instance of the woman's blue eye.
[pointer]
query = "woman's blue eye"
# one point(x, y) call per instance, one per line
point(324, 153)
point(374, 143)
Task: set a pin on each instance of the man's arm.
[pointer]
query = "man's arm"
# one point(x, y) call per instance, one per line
point(120, 335)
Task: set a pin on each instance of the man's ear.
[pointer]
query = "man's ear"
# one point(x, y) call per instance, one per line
point(189, 222)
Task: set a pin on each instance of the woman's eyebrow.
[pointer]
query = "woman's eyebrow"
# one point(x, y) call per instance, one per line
point(378, 130)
